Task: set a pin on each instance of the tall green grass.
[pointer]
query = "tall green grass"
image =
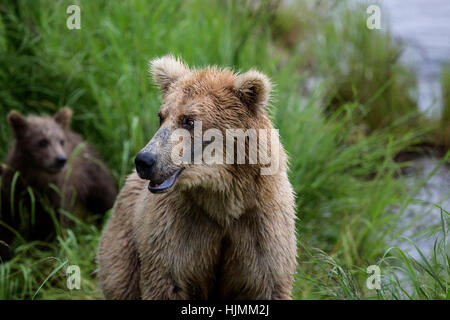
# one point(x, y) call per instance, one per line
point(356, 64)
point(444, 128)
point(402, 276)
point(349, 189)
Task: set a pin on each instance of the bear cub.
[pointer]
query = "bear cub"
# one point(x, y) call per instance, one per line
point(49, 168)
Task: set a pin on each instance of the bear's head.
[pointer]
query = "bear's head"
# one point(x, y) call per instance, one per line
point(199, 108)
point(42, 140)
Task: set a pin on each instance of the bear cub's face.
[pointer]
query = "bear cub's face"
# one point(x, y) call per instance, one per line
point(217, 98)
point(42, 140)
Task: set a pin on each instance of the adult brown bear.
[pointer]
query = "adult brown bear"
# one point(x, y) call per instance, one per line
point(198, 230)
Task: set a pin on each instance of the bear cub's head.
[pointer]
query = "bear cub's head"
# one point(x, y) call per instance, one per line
point(42, 141)
point(197, 100)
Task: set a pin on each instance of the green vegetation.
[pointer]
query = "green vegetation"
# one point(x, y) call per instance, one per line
point(443, 132)
point(357, 64)
point(342, 130)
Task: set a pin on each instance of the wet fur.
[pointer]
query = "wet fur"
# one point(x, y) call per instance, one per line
point(223, 231)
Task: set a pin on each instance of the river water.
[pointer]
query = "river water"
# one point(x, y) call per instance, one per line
point(421, 220)
point(423, 26)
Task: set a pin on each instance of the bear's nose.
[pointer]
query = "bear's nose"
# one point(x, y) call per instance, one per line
point(60, 161)
point(145, 164)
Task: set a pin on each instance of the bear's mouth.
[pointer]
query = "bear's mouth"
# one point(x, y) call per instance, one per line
point(166, 184)
point(54, 170)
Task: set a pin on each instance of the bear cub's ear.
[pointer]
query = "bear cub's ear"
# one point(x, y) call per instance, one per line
point(167, 70)
point(18, 123)
point(63, 117)
point(253, 89)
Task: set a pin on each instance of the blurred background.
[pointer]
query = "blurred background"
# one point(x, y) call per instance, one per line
point(363, 113)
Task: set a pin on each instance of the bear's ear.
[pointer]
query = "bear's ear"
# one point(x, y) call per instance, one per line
point(18, 123)
point(253, 89)
point(63, 117)
point(167, 70)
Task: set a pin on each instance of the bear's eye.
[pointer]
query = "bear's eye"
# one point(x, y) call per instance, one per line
point(160, 118)
point(188, 123)
point(62, 142)
point(43, 143)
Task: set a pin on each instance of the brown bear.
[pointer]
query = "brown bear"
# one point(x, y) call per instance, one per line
point(202, 230)
point(50, 168)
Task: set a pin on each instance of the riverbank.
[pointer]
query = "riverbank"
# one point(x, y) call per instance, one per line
point(342, 131)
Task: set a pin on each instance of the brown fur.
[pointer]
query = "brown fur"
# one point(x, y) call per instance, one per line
point(84, 180)
point(222, 231)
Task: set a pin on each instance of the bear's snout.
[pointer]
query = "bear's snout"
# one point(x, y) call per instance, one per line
point(60, 161)
point(145, 164)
